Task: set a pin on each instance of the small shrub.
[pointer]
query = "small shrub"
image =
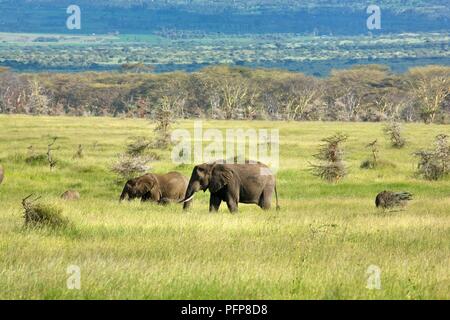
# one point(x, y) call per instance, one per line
point(138, 146)
point(368, 164)
point(38, 214)
point(50, 158)
point(394, 131)
point(371, 163)
point(331, 166)
point(79, 153)
point(127, 167)
point(434, 164)
point(36, 160)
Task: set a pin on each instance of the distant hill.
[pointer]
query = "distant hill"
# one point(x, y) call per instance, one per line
point(439, 7)
point(343, 17)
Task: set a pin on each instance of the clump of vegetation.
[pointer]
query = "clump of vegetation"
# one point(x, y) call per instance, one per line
point(79, 153)
point(372, 163)
point(331, 165)
point(127, 167)
point(164, 118)
point(38, 214)
point(34, 158)
point(50, 159)
point(138, 146)
point(394, 131)
point(435, 164)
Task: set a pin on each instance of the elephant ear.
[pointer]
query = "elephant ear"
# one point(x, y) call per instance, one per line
point(220, 177)
point(143, 187)
point(151, 185)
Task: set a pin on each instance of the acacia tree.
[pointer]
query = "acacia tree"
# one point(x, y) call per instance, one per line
point(164, 118)
point(38, 102)
point(232, 94)
point(431, 86)
point(350, 94)
point(331, 165)
point(300, 97)
point(13, 93)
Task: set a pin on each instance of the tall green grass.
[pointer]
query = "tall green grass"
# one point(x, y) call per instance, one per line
point(319, 246)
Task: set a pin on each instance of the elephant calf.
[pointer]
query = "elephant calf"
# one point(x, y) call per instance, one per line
point(163, 189)
point(251, 182)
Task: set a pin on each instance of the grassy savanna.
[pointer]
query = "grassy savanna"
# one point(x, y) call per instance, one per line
point(319, 246)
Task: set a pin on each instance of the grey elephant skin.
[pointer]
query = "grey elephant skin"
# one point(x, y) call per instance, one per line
point(159, 188)
point(250, 183)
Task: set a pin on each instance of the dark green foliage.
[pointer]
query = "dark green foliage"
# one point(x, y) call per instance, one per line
point(37, 159)
point(34, 158)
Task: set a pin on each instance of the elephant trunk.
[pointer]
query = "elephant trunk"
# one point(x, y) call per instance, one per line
point(124, 194)
point(193, 187)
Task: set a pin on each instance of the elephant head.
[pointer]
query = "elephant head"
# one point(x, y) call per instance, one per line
point(208, 176)
point(145, 187)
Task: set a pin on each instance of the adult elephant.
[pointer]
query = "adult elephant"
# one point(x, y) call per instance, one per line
point(251, 183)
point(170, 187)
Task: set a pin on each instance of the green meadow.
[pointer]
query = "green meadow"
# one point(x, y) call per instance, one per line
point(320, 245)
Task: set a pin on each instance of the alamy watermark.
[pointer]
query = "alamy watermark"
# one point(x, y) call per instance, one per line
point(74, 20)
point(374, 20)
point(374, 277)
point(239, 145)
point(74, 280)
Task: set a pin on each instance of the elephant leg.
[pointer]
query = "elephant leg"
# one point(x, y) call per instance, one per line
point(164, 201)
point(232, 206)
point(232, 203)
point(187, 205)
point(214, 203)
point(146, 197)
point(265, 200)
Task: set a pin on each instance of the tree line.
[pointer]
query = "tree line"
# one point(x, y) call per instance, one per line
point(361, 93)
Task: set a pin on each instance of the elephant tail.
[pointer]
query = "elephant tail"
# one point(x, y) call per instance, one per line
point(276, 197)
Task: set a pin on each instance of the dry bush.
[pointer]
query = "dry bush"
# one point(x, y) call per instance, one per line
point(164, 118)
point(38, 214)
point(34, 158)
point(79, 153)
point(127, 167)
point(372, 163)
point(394, 131)
point(331, 165)
point(138, 146)
point(435, 164)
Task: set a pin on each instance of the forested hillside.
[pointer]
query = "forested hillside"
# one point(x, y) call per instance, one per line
point(231, 17)
point(362, 93)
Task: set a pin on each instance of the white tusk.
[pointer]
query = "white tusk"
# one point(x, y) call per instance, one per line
point(189, 199)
